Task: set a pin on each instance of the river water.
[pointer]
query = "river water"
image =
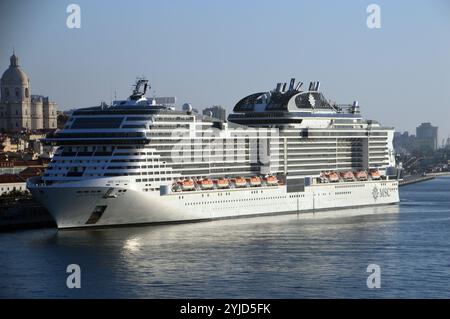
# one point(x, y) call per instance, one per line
point(322, 255)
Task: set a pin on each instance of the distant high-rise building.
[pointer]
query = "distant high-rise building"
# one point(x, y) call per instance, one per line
point(217, 112)
point(18, 108)
point(428, 134)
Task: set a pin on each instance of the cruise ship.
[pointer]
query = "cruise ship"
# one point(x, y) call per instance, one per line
point(286, 150)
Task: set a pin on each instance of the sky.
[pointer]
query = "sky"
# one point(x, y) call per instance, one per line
point(216, 52)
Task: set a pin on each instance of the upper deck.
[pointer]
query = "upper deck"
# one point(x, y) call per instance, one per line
point(289, 105)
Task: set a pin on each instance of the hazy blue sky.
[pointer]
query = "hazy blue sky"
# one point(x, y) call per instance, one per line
point(216, 52)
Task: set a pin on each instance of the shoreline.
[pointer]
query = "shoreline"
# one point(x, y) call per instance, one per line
point(25, 213)
point(415, 179)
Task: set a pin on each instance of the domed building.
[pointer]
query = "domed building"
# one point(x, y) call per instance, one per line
point(18, 108)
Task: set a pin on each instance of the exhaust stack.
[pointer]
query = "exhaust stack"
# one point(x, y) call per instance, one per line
point(317, 86)
point(278, 88)
point(297, 87)
point(291, 84)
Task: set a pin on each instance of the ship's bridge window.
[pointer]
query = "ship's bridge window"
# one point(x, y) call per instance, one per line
point(106, 122)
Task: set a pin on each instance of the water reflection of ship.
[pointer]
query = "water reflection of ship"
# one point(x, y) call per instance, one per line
point(151, 258)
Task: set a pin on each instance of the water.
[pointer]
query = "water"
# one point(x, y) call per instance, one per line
point(288, 256)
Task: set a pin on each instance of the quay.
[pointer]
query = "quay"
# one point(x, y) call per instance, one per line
point(24, 213)
point(412, 179)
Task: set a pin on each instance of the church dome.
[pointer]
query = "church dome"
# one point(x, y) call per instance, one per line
point(14, 74)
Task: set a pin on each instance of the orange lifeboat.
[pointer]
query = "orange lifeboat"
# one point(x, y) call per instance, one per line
point(375, 174)
point(205, 183)
point(333, 177)
point(240, 182)
point(254, 181)
point(361, 176)
point(187, 185)
point(271, 180)
point(222, 183)
point(348, 176)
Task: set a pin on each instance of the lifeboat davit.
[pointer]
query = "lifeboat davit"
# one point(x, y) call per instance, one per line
point(254, 181)
point(348, 176)
point(205, 183)
point(361, 176)
point(333, 177)
point(187, 185)
point(271, 180)
point(222, 183)
point(375, 174)
point(176, 187)
point(323, 178)
point(240, 182)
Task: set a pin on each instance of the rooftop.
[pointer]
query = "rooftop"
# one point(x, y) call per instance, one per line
point(11, 178)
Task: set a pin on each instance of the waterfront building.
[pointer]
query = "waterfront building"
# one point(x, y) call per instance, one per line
point(19, 109)
point(11, 182)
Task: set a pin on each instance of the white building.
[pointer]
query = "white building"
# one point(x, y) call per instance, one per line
point(11, 182)
point(18, 108)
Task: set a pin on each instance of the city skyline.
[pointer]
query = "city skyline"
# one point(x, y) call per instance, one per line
point(223, 52)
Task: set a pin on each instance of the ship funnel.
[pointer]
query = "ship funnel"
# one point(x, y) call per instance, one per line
point(355, 103)
point(317, 86)
point(299, 84)
point(278, 89)
point(291, 84)
point(311, 86)
point(284, 87)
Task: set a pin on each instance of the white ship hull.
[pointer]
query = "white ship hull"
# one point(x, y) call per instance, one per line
point(72, 204)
